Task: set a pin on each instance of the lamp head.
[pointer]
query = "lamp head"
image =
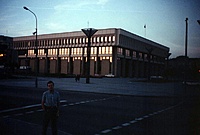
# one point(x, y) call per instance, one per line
point(198, 22)
point(25, 8)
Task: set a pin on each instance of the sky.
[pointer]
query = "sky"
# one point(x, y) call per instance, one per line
point(164, 19)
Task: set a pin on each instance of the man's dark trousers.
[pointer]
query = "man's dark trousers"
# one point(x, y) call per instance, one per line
point(50, 115)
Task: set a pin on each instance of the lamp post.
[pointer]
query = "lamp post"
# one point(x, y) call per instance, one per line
point(186, 56)
point(89, 33)
point(36, 48)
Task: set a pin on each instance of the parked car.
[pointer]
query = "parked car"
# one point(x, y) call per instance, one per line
point(110, 75)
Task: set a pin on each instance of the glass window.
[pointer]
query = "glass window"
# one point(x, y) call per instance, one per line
point(41, 52)
point(93, 50)
point(52, 51)
point(120, 51)
point(106, 39)
point(134, 54)
point(127, 52)
point(97, 39)
point(113, 39)
point(110, 39)
point(94, 39)
point(31, 52)
point(102, 39)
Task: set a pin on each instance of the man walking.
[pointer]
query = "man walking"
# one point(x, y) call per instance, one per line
point(50, 105)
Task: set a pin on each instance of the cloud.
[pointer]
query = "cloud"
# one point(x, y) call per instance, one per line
point(79, 4)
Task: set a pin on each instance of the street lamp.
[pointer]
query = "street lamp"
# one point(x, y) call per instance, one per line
point(36, 48)
point(89, 33)
point(198, 21)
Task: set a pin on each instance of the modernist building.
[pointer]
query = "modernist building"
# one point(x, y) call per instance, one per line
point(114, 51)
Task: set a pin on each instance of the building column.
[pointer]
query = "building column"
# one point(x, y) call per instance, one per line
point(97, 62)
point(123, 64)
point(83, 62)
point(70, 62)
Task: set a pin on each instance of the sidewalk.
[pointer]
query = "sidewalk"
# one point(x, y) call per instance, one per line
point(124, 86)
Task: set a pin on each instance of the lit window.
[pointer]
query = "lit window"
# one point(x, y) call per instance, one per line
point(102, 39)
point(31, 52)
point(100, 50)
point(110, 39)
point(134, 54)
point(85, 50)
point(52, 51)
point(97, 39)
point(106, 39)
point(94, 39)
point(113, 39)
point(127, 52)
point(41, 52)
point(120, 51)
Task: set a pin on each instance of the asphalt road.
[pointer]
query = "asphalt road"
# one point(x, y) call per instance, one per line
point(83, 113)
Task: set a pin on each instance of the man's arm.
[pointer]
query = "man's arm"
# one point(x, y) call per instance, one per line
point(42, 103)
point(43, 107)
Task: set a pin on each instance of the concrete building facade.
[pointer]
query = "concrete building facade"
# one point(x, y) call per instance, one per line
point(113, 51)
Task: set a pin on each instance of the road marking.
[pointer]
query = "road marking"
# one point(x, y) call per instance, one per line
point(106, 131)
point(40, 110)
point(29, 112)
point(138, 119)
point(125, 124)
point(25, 107)
point(89, 101)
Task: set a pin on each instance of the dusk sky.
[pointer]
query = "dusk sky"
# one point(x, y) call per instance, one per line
point(164, 19)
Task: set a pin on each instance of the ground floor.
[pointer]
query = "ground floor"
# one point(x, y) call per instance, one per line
point(118, 66)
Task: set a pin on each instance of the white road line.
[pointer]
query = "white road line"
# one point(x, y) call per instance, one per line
point(25, 107)
point(29, 112)
point(125, 124)
point(117, 127)
point(133, 121)
point(40, 110)
point(106, 131)
point(138, 119)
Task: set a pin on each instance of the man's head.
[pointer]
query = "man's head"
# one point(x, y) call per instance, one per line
point(50, 85)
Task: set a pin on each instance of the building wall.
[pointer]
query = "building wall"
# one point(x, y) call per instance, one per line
point(42, 66)
point(64, 65)
point(105, 65)
point(115, 51)
point(53, 64)
point(77, 67)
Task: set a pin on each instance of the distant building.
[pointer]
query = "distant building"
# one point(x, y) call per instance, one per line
point(184, 68)
point(113, 51)
point(8, 56)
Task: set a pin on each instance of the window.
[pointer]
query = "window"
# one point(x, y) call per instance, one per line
point(64, 51)
point(31, 52)
point(110, 39)
point(120, 51)
point(127, 52)
point(41, 52)
point(102, 39)
point(134, 54)
point(52, 51)
point(106, 39)
point(97, 39)
point(113, 39)
point(93, 50)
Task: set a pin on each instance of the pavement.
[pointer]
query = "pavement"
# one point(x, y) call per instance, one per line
point(122, 86)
